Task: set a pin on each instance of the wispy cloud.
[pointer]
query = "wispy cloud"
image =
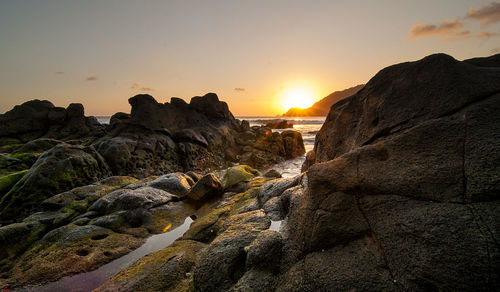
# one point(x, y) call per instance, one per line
point(455, 29)
point(467, 35)
point(136, 86)
point(59, 72)
point(484, 35)
point(92, 78)
point(449, 27)
point(239, 89)
point(486, 14)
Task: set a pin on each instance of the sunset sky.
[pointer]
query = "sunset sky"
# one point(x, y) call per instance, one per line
point(250, 53)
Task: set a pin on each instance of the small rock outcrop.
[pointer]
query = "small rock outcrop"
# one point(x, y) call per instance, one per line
point(40, 118)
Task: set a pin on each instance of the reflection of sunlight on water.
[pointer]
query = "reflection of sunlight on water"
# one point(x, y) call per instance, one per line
point(93, 279)
point(275, 225)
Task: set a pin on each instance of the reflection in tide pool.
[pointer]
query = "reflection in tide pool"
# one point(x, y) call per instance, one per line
point(90, 280)
point(275, 225)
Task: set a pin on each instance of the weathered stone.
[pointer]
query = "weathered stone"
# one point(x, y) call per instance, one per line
point(293, 144)
point(276, 187)
point(175, 183)
point(237, 174)
point(164, 270)
point(61, 168)
point(358, 266)
point(207, 187)
point(265, 251)
point(272, 173)
point(255, 280)
point(222, 263)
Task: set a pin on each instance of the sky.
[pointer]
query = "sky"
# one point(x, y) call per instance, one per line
point(251, 53)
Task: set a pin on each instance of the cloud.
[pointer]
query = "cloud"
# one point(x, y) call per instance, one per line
point(486, 14)
point(495, 51)
point(484, 35)
point(92, 78)
point(239, 89)
point(136, 86)
point(448, 27)
point(59, 72)
point(467, 35)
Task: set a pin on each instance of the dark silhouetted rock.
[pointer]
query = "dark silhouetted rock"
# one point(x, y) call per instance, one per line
point(293, 144)
point(402, 185)
point(35, 119)
point(278, 124)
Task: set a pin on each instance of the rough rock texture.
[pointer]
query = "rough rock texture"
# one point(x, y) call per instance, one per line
point(406, 195)
point(160, 138)
point(57, 170)
point(400, 97)
point(154, 139)
point(27, 256)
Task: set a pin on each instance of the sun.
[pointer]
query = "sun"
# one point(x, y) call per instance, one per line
point(298, 97)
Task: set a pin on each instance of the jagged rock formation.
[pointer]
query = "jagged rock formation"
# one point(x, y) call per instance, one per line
point(408, 185)
point(160, 138)
point(40, 118)
point(153, 139)
point(322, 107)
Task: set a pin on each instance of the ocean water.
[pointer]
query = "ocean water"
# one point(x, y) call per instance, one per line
point(307, 126)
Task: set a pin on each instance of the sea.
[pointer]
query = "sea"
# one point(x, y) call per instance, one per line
point(307, 126)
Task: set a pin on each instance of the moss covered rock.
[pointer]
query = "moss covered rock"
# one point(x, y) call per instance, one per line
point(62, 168)
point(70, 250)
point(237, 174)
point(8, 181)
point(165, 270)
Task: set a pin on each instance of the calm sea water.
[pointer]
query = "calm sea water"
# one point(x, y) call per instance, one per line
point(307, 126)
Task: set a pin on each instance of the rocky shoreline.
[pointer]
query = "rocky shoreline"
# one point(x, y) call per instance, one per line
point(399, 194)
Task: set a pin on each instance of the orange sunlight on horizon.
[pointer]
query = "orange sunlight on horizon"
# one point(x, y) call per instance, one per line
point(299, 96)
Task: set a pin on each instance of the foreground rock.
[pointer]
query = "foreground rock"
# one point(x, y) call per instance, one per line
point(408, 193)
point(229, 249)
point(59, 169)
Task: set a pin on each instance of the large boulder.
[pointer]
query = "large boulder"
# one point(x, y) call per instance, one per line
point(407, 188)
point(60, 169)
point(400, 97)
